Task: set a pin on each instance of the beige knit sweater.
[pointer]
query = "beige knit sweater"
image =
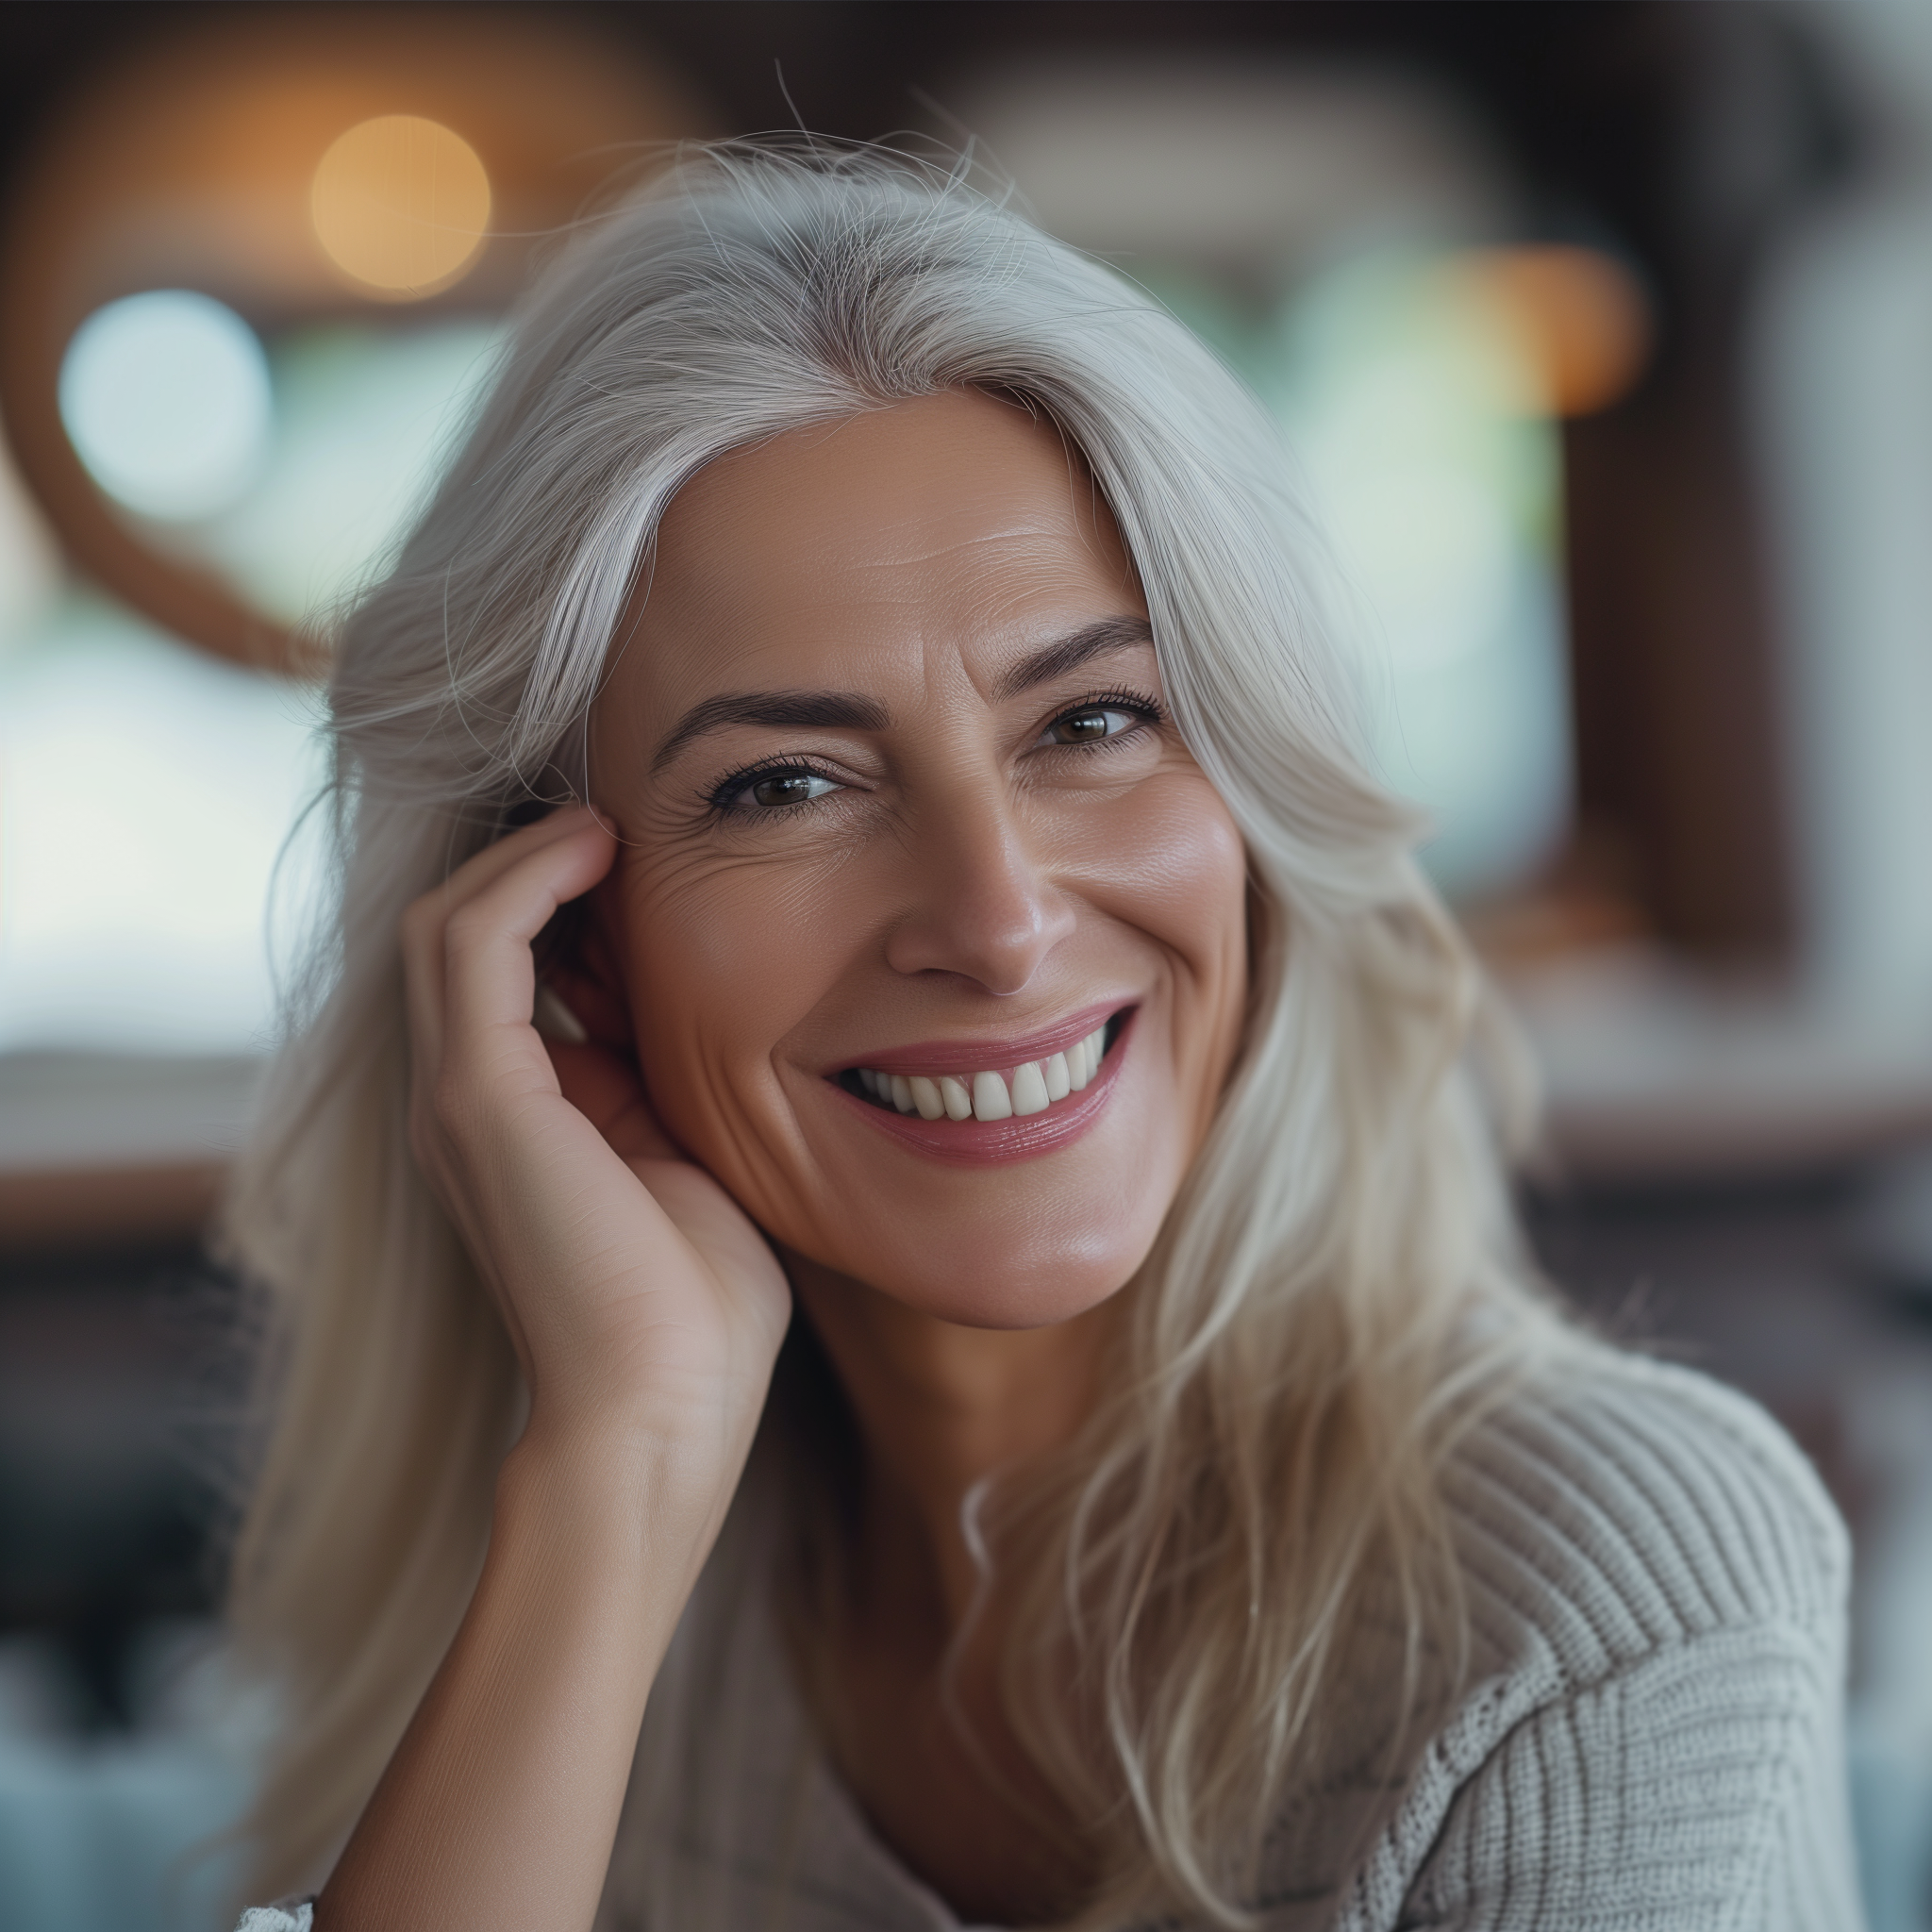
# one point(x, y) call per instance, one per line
point(1650, 1738)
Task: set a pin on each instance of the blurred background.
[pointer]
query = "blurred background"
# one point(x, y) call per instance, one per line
point(1604, 336)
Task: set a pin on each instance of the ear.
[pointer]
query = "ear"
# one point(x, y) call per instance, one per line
point(580, 968)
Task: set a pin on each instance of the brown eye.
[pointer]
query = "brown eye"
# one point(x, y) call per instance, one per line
point(777, 789)
point(774, 788)
point(1091, 725)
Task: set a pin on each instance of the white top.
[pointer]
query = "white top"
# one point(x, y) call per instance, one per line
point(1651, 1738)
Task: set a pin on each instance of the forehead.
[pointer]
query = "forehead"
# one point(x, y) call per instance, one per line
point(956, 526)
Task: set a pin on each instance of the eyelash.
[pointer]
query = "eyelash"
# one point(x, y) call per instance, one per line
point(1149, 710)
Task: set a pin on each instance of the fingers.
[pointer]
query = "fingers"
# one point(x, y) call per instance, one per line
point(490, 978)
point(466, 943)
point(485, 867)
point(425, 923)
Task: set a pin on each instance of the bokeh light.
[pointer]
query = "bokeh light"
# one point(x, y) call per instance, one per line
point(165, 397)
point(1581, 318)
point(401, 206)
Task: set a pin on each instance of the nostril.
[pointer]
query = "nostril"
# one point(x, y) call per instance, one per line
point(989, 923)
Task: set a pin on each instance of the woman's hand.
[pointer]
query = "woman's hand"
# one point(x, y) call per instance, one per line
point(646, 1311)
point(638, 1295)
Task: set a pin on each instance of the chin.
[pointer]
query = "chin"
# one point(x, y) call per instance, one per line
point(1024, 1246)
point(998, 1287)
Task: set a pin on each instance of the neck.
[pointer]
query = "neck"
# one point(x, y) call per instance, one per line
point(941, 1407)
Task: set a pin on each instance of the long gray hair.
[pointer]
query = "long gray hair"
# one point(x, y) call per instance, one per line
point(1339, 1273)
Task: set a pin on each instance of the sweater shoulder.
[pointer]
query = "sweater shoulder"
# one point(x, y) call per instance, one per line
point(1615, 1507)
point(1647, 1723)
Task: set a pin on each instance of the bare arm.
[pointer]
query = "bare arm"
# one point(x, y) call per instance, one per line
point(646, 1311)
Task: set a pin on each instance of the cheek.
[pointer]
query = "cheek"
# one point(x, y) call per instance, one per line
point(1173, 866)
point(1178, 874)
point(719, 969)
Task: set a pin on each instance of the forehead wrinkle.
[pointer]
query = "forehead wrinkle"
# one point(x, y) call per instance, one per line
point(986, 590)
point(975, 575)
point(989, 566)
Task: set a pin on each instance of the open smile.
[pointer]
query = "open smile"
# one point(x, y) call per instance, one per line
point(946, 1100)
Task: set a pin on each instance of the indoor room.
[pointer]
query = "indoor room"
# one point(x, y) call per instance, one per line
point(1598, 340)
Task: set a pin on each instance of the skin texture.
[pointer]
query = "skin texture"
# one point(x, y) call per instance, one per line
point(968, 867)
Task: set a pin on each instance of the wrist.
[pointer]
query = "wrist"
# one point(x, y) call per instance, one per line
point(629, 1488)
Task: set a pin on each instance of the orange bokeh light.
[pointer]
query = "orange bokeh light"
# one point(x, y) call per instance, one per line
point(1579, 314)
point(401, 206)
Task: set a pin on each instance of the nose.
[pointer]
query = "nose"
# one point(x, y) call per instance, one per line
point(982, 904)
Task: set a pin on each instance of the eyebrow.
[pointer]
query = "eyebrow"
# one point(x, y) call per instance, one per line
point(848, 709)
point(853, 712)
point(1069, 653)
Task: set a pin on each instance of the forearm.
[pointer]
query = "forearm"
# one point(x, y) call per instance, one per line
point(501, 1804)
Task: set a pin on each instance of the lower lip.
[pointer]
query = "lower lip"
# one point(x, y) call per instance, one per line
point(992, 1143)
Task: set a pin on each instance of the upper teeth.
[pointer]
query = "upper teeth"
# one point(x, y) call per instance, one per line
point(988, 1096)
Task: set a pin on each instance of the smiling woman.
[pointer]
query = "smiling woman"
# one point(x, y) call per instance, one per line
point(899, 1306)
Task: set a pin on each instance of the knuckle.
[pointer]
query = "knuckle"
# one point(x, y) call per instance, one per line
point(467, 926)
point(453, 1103)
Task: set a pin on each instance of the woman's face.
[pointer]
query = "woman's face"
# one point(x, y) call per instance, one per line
point(885, 755)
